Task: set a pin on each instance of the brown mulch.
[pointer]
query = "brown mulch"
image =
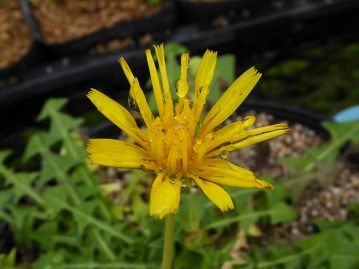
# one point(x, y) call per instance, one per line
point(15, 36)
point(111, 46)
point(63, 20)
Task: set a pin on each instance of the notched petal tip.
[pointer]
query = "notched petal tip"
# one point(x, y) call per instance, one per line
point(93, 94)
point(216, 194)
point(91, 91)
point(264, 185)
point(89, 145)
point(126, 69)
point(90, 148)
point(162, 214)
point(255, 71)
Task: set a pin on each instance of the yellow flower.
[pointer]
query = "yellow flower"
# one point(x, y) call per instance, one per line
point(180, 147)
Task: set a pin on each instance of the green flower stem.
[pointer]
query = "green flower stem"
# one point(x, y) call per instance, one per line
point(168, 243)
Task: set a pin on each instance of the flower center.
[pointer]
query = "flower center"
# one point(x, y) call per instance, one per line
point(171, 144)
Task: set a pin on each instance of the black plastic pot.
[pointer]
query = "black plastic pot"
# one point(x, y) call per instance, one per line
point(277, 31)
point(202, 12)
point(164, 20)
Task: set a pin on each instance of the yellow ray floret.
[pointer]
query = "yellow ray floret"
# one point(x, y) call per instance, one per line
point(165, 196)
point(116, 153)
point(179, 148)
point(182, 85)
point(118, 115)
point(222, 172)
point(139, 98)
point(126, 69)
point(231, 99)
point(206, 70)
point(216, 194)
point(160, 53)
point(155, 82)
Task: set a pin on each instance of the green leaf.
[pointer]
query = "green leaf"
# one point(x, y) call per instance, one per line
point(88, 219)
point(284, 260)
point(47, 235)
point(61, 125)
point(4, 154)
point(278, 213)
point(50, 106)
point(99, 265)
point(22, 184)
point(282, 212)
point(194, 66)
point(60, 128)
point(288, 67)
point(103, 244)
point(87, 209)
point(249, 217)
point(37, 142)
point(191, 213)
point(278, 194)
point(340, 133)
point(60, 193)
point(344, 260)
point(50, 260)
point(54, 167)
point(223, 76)
point(8, 261)
point(174, 49)
point(347, 130)
point(223, 222)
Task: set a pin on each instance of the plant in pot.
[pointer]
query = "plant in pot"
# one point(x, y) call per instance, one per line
point(62, 203)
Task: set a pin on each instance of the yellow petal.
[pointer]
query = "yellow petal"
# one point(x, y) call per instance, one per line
point(198, 105)
point(243, 138)
point(116, 153)
point(165, 196)
point(230, 100)
point(160, 52)
point(235, 127)
point(140, 99)
point(126, 69)
point(182, 84)
point(223, 172)
point(268, 129)
point(250, 137)
point(224, 136)
point(206, 70)
point(260, 138)
point(216, 194)
point(118, 115)
point(155, 82)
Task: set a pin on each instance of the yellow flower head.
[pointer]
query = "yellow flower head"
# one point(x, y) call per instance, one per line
point(180, 147)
